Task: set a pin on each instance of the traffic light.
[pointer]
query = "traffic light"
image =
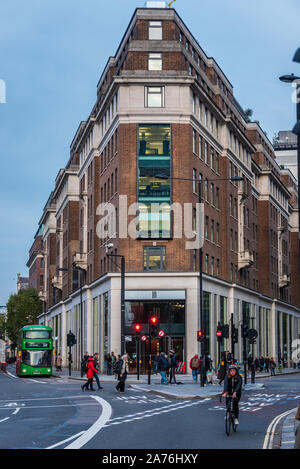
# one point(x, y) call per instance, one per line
point(71, 340)
point(219, 333)
point(244, 330)
point(138, 328)
point(226, 331)
point(154, 326)
point(200, 335)
point(252, 335)
point(235, 335)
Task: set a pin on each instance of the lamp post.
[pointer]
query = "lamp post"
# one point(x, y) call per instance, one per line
point(76, 269)
point(107, 247)
point(291, 79)
point(233, 178)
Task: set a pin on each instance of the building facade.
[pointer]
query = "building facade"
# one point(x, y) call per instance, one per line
point(165, 125)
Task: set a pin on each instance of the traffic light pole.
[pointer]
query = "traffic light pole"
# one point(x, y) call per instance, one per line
point(138, 357)
point(149, 360)
point(245, 360)
point(202, 364)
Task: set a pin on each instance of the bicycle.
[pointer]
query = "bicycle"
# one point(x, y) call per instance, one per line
point(229, 416)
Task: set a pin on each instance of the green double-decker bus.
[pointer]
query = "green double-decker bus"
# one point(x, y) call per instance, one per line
point(35, 351)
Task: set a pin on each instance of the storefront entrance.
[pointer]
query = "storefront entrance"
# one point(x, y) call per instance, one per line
point(167, 343)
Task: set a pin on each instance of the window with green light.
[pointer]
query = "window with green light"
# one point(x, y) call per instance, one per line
point(154, 159)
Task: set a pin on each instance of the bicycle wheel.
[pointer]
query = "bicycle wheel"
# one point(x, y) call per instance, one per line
point(228, 421)
point(234, 426)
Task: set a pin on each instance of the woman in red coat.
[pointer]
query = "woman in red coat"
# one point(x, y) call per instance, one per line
point(90, 374)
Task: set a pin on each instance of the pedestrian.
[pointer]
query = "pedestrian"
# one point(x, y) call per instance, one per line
point(83, 365)
point(267, 364)
point(272, 366)
point(195, 367)
point(91, 370)
point(162, 366)
point(173, 366)
point(109, 364)
point(122, 373)
point(96, 366)
point(155, 363)
point(58, 362)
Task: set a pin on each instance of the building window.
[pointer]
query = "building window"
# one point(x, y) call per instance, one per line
point(155, 30)
point(154, 157)
point(155, 258)
point(154, 61)
point(194, 141)
point(200, 146)
point(154, 96)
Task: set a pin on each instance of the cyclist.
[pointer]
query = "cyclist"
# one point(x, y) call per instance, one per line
point(233, 388)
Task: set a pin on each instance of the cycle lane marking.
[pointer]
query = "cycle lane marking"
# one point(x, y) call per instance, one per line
point(96, 427)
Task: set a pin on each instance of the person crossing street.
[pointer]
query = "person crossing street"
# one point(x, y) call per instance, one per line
point(91, 370)
point(96, 365)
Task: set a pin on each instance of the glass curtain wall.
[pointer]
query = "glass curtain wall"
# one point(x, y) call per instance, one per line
point(154, 158)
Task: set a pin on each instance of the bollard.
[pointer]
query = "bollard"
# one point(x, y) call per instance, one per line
point(3, 367)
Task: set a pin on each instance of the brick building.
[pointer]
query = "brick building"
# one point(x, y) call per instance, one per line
point(166, 118)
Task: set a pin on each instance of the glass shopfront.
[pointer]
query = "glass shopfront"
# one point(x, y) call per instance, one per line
point(171, 314)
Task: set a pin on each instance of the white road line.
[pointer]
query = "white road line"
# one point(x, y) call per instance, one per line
point(16, 411)
point(65, 441)
point(150, 413)
point(268, 441)
point(6, 418)
point(96, 427)
point(10, 374)
point(150, 410)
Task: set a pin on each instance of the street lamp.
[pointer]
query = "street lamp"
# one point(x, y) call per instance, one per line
point(233, 178)
point(107, 248)
point(291, 79)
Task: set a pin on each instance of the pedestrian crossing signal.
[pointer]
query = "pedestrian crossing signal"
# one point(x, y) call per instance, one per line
point(200, 335)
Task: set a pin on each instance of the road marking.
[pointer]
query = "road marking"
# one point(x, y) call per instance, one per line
point(150, 413)
point(96, 427)
point(268, 441)
point(65, 441)
point(10, 374)
point(6, 418)
point(16, 411)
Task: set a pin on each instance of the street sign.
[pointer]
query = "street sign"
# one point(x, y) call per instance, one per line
point(144, 338)
point(161, 333)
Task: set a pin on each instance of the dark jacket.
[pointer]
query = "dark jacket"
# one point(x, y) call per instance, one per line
point(174, 362)
point(162, 364)
point(233, 384)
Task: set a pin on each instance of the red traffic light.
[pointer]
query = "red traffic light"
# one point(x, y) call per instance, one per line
point(137, 327)
point(154, 320)
point(200, 335)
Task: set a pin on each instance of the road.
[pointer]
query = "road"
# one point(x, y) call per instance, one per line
point(54, 413)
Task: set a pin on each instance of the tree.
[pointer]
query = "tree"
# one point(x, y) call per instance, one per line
point(249, 114)
point(23, 309)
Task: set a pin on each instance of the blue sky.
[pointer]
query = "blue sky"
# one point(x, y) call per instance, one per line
point(52, 54)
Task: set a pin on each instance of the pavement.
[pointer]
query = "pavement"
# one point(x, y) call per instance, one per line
point(288, 431)
point(185, 390)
